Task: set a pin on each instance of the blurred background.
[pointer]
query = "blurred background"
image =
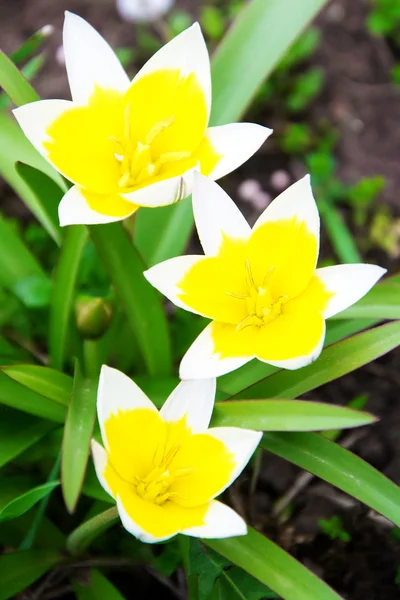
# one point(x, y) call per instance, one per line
point(334, 105)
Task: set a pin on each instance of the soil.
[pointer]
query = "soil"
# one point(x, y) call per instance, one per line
point(362, 103)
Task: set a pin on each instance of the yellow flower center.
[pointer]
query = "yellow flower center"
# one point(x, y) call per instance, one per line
point(261, 307)
point(137, 159)
point(155, 486)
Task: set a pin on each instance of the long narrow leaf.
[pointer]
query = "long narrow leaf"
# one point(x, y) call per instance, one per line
point(24, 502)
point(287, 415)
point(63, 293)
point(335, 361)
point(14, 84)
point(273, 566)
point(77, 433)
point(48, 194)
point(140, 301)
point(338, 466)
point(47, 382)
point(97, 587)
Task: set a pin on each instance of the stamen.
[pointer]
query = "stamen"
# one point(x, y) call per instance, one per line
point(238, 296)
point(158, 128)
point(249, 274)
point(246, 322)
point(268, 275)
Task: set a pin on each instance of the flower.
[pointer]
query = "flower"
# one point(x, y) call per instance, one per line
point(142, 11)
point(164, 468)
point(260, 286)
point(134, 144)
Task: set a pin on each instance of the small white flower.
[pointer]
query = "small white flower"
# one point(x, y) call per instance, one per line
point(142, 11)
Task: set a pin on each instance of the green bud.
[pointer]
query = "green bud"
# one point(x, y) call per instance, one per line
point(93, 316)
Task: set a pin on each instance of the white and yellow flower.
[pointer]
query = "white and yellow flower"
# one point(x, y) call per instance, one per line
point(128, 144)
point(164, 468)
point(259, 286)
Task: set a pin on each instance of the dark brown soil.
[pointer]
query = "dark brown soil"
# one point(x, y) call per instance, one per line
point(362, 103)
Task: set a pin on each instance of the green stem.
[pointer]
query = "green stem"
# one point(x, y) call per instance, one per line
point(92, 358)
point(82, 536)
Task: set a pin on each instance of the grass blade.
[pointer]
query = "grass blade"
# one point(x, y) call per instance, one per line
point(338, 466)
point(20, 505)
point(17, 88)
point(287, 415)
point(47, 382)
point(77, 433)
point(273, 566)
point(18, 570)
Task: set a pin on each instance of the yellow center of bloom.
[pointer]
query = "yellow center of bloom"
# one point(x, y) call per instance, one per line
point(262, 293)
point(163, 473)
point(119, 142)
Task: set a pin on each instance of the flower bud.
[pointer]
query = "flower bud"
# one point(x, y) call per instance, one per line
point(93, 316)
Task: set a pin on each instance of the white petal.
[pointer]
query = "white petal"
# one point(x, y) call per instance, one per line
point(162, 193)
point(89, 60)
point(100, 460)
point(35, 118)
point(349, 283)
point(135, 529)
point(187, 52)
point(296, 201)
point(166, 275)
point(200, 361)
point(138, 11)
point(216, 214)
point(74, 210)
point(242, 443)
point(116, 392)
point(292, 364)
point(236, 142)
point(220, 522)
point(195, 399)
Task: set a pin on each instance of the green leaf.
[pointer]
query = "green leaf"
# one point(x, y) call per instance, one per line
point(77, 433)
point(18, 432)
point(14, 146)
point(338, 466)
point(18, 570)
point(64, 283)
point(34, 291)
point(24, 502)
point(236, 584)
point(287, 415)
point(138, 298)
point(382, 302)
point(271, 565)
point(48, 195)
point(97, 587)
point(16, 261)
point(335, 361)
point(252, 48)
point(14, 84)
point(32, 44)
point(15, 395)
point(47, 382)
point(340, 237)
point(207, 568)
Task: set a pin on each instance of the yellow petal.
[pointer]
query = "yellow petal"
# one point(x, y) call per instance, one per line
point(207, 156)
point(81, 142)
point(150, 522)
point(160, 96)
point(133, 438)
point(112, 205)
point(210, 286)
point(283, 255)
point(212, 466)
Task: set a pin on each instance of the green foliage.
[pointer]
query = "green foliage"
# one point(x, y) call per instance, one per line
point(384, 19)
point(296, 138)
point(334, 529)
point(212, 21)
point(208, 570)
